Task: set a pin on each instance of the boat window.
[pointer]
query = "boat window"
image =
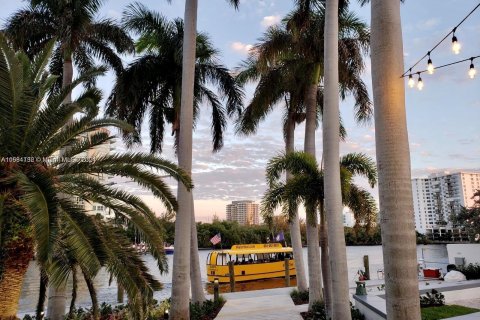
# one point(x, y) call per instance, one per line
point(222, 259)
point(208, 258)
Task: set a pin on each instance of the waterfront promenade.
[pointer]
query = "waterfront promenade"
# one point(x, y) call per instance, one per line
point(272, 304)
point(276, 304)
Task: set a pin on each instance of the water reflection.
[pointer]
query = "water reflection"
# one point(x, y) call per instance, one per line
point(253, 285)
point(108, 292)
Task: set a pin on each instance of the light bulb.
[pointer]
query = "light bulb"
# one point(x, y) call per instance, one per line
point(430, 67)
point(420, 83)
point(456, 46)
point(411, 81)
point(472, 72)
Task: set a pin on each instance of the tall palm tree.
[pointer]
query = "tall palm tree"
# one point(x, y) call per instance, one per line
point(331, 150)
point(34, 126)
point(393, 160)
point(180, 307)
point(276, 84)
point(304, 41)
point(307, 184)
point(138, 89)
point(80, 39)
point(284, 80)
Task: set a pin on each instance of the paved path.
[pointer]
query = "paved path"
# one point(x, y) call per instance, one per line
point(271, 304)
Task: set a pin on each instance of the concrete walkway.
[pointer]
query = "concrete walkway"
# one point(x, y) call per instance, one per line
point(271, 304)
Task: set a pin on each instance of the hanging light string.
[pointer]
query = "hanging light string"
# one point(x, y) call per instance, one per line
point(409, 73)
point(454, 40)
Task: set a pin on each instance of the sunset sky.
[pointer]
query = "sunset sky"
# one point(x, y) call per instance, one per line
point(443, 119)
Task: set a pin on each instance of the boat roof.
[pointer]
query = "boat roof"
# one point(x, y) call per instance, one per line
point(256, 248)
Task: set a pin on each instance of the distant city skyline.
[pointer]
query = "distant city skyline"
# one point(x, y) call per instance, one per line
point(442, 119)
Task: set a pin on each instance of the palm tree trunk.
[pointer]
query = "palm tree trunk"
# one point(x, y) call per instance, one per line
point(326, 272)
point(393, 163)
point(181, 258)
point(42, 294)
point(67, 76)
point(57, 302)
point(198, 295)
point(74, 291)
point(294, 223)
point(314, 270)
point(57, 297)
point(93, 295)
point(331, 153)
point(17, 257)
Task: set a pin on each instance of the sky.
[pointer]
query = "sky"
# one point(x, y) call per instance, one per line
point(443, 118)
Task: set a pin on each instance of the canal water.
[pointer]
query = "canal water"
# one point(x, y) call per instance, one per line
point(435, 255)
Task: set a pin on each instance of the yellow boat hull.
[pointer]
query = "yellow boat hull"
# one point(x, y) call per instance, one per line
point(249, 272)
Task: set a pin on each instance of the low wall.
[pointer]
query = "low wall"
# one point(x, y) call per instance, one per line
point(372, 307)
point(469, 251)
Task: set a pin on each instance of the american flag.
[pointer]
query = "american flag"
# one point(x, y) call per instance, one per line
point(216, 239)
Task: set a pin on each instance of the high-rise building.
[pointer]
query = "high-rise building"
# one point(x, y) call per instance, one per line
point(440, 195)
point(97, 151)
point(244, 212)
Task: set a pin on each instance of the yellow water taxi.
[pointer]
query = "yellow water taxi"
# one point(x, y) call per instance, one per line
point(250, 262)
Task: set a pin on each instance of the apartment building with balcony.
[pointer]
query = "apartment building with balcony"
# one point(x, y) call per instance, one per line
point(440, 195)
point(244, 212)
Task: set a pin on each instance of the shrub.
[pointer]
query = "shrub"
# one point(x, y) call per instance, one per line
point(471, 271)
point(433, 299)
point(206, 311)
point(319, 313)
point(299, 297)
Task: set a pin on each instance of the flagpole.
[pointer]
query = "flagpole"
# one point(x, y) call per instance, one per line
point(221, 245)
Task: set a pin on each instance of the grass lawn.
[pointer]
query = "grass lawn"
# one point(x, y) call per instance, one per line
point(436, 313)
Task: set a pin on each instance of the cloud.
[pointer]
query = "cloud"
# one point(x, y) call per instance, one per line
point(114, 14)
point(241, 47)
point(429, 24)
point(368, 137)
point(269, 21)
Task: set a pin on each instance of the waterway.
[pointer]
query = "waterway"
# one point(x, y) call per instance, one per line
point(435, 255)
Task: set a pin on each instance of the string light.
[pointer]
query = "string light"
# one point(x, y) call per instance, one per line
point(420, 82)
point(411, 82)
point(456, 46)
point(430, 67)
point(472, 72)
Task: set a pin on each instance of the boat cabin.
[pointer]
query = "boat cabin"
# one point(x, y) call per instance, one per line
point(250, 262)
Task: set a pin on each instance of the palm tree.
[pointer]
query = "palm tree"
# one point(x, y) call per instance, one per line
point(34, 126)
point(138, 91)
point(340, 308)
point(180, 307)
point(284, 80)
point(275, 84)
point(307, 185)
point(393, 160)
point(79, 38)
point(304, 41)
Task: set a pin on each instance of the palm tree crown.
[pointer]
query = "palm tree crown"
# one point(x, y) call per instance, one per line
point(153, 81)
point(307, 185)
point(300, 42)
point(79, 37)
